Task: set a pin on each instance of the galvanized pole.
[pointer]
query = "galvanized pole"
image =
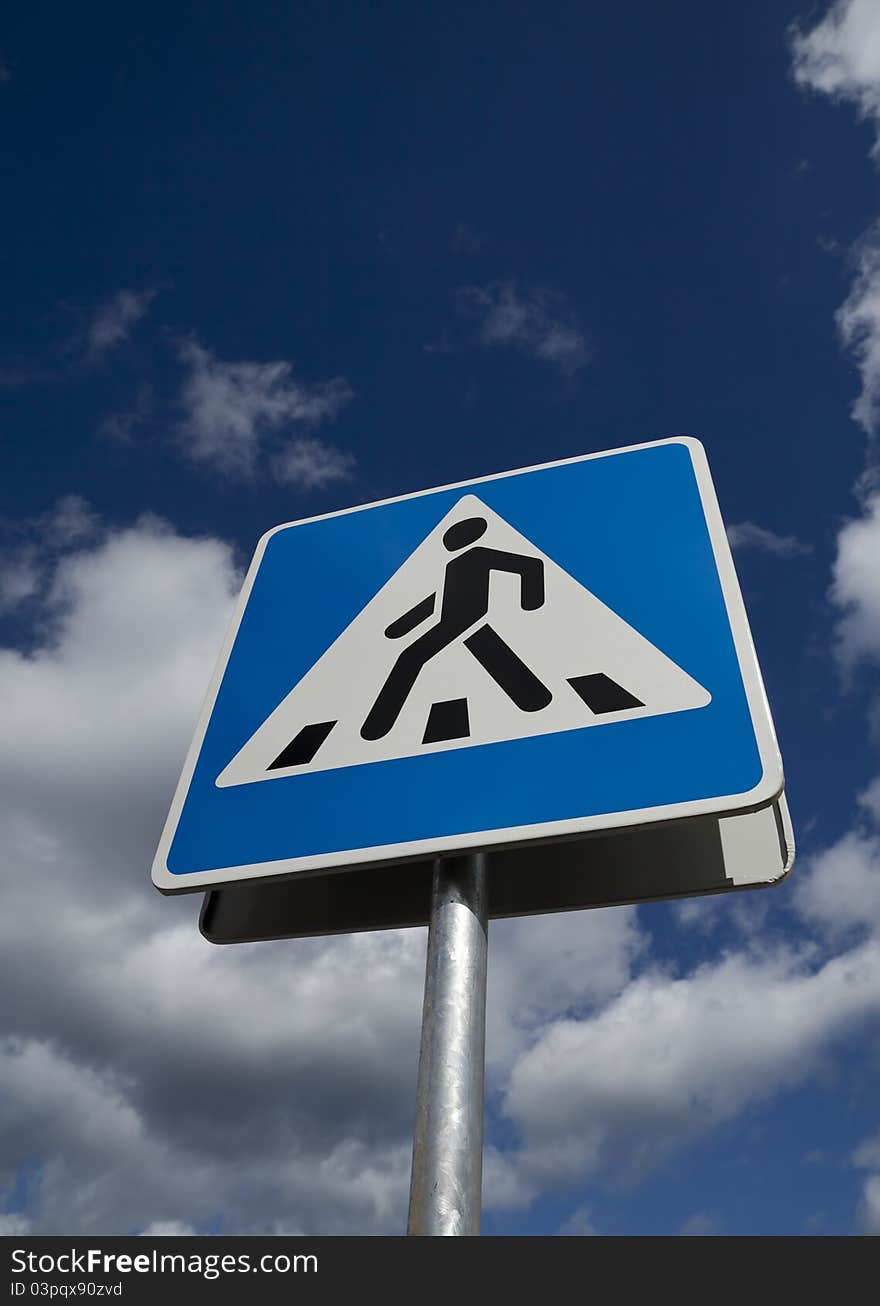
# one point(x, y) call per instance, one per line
point(447, 1165)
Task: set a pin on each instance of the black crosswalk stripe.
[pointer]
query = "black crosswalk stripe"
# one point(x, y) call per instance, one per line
point(602, 694)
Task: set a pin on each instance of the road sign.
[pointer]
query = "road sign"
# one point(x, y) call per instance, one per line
point(703, 855)
point(535, 655)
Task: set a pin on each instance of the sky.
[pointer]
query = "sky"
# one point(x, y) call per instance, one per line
point(278, 260)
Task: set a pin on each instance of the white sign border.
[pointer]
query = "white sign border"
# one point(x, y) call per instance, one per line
point(768, 788)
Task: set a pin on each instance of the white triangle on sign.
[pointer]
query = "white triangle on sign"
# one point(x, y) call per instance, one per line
point(565, 662)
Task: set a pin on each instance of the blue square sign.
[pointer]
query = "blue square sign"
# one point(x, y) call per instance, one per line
point(533, 655)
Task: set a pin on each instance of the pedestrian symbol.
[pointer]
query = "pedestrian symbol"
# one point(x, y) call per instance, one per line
point(465, 601)
point(477, 638)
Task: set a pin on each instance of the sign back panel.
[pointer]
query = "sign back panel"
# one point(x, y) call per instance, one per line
point(700, 856)
point(533, 655)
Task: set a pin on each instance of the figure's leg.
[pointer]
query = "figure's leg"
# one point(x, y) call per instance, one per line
point(401, 678)
point(507, 670)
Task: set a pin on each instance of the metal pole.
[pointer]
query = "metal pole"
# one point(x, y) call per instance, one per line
point(447, 1165)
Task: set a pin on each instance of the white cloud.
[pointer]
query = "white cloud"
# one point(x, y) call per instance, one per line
point(113, 322)
point(858, 321)
point(543, 966)
point(579, 1225)
point(311, 464)
point(71, 521)
point(234, 412)
point(867, 1154)
point(869, 1207)
point(116, 613)
point(507, 317)
point(839, 890)
point(672, 1058)
point(504, 1186)
point(746, 912)
point(23, 572)
point(748, 535)
point(13, 1225)
point(97, 1163)
point(168, 1229)
point(562, 345)
point(869, 800)
point(121, 425)
point(19, 580)
point(700, 1225)
point(528, 322)
point(696, 913)
point(840, 56)
point(854, 589)
point(867, 1157)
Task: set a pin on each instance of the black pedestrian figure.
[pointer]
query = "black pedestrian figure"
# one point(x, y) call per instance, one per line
point(465, 601)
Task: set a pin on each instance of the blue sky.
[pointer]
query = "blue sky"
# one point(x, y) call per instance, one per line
point(270, 262)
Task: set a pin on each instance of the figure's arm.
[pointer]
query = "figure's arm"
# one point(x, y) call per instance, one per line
point(532, 584)
point(403, 625)
point(530, 572)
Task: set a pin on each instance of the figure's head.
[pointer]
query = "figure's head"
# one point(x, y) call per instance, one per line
point(464, 533)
